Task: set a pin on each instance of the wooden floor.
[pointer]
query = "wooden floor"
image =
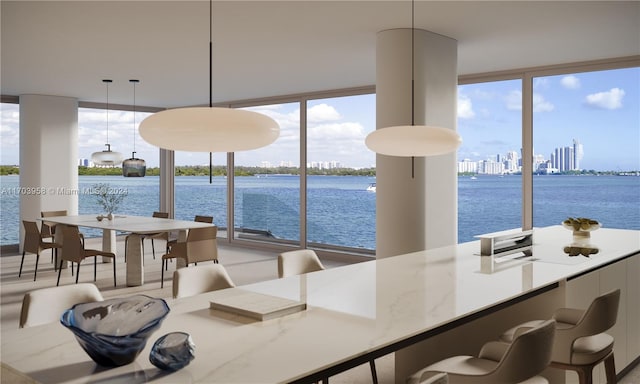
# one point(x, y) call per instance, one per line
point(244, 266)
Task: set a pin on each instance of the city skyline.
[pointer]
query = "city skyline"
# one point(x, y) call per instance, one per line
point(602, 109)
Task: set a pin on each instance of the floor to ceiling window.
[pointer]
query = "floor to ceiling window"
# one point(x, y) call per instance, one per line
point(341, 205)
point(201, 187)
point(490, 157)
point(586, 136)
point(267, 182)
point(9, 179)
point(97, 127)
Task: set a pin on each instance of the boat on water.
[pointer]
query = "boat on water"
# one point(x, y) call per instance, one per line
point(371, 187)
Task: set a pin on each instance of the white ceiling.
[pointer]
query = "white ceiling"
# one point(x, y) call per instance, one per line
point(270, 48)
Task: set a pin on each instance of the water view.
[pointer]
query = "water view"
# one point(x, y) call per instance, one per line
point(342, 212)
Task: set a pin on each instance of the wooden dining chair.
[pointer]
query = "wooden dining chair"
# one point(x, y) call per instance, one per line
point(46, 305)
point(73, 250)
point(201, 245)
point(34, 243)
point(48, 229)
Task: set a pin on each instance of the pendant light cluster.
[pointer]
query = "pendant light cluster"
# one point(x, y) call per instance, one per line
point(202, 129)
point(413, 140)
point(134, 167)
point(107, 157)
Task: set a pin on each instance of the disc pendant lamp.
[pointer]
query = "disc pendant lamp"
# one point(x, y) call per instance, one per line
point(107, 157)
point(134, 167)
point(413, 140)
point(209, 129)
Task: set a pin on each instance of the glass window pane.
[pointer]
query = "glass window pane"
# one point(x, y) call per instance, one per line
point(9, 180)
point(340, 210)
point(142, 193)
point(267, 182)
point(194, 194)
point(586, 135)
point(489, 159)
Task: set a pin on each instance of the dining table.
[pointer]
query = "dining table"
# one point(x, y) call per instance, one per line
point(136, 227)
point(443, 300)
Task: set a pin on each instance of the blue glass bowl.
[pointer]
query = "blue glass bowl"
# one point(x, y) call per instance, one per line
point(113, 332)
point(172, 351)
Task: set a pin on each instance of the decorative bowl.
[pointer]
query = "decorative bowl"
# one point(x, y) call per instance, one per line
point(113, 332)
point(172, 351)
point(581, 226)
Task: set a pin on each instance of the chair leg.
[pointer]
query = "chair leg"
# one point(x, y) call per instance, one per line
point(77, 272)
point(35, 271)
point(59, 272)
point(114, 272)
point(153, 249)
point(21, 261)
point(162, 274)
point(374, 374)
point(95, 267)
point(610, 369)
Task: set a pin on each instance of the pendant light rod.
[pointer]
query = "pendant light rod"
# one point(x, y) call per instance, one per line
point(107, 82)
point(134, 82)
point(210, 79)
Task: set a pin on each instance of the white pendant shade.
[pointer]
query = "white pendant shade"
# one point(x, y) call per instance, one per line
point(413, 140)
point(205, 129)
point(107, 157)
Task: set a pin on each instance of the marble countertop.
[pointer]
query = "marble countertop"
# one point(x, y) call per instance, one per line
point(351, 310)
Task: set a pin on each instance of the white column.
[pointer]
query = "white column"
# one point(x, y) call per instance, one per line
point(48, 155)
point(419, 212)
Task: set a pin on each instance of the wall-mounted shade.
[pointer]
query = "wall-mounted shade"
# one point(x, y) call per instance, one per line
point(413, 140)
point(205, 129)
point(107, 157)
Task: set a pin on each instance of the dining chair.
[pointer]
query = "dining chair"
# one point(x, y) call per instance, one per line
point(34, 243)
point(200, 279)
point(301, 261)
point(199, 219)
point(201, 245)
point(520, 361)
point(297, 262)
point(581, 342)
point(73, 250)
point(46, 305)
point(48, 229)
point(159, 235)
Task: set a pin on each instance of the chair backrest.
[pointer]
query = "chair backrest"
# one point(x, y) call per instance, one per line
point(598, 318)
point(161, 215)
point(202, 244)
point(32, 237)
point(298, 262)
point(199, 279)
point(72, 248)
point(46, 305)
point(527, 356)
point(204, 219)
point(601, 315)
point(49, 228)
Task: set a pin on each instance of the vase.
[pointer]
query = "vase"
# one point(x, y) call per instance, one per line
point(110, 216)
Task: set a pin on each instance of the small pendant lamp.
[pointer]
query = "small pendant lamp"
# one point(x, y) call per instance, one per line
point(413, 140)
point(134, 167)
point(107, 157)
point(202, 129)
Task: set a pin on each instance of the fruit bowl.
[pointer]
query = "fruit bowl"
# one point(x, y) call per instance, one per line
point(581, 226)
point(114, 332)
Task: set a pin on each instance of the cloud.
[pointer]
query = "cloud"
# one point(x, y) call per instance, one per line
point(611, 99)
point(570, 82)
point(322, 112)
point(514, 101)
point(465, 108)
point(540, 104)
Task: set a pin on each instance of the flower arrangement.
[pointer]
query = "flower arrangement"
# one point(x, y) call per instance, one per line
point(108, 198)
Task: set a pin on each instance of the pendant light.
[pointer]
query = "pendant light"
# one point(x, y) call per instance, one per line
point(134, 167)
point(107, 157)
point(202, 129)
point(413, 140)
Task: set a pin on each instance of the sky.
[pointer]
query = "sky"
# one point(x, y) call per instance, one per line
point(601, 110)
